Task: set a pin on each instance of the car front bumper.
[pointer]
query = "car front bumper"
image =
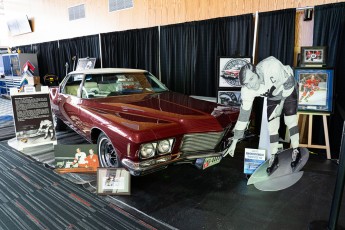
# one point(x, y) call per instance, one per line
point(152, 165)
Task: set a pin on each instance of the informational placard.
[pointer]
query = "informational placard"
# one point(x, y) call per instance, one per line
point(113, 181)
point(33, 119)
point(253, 158)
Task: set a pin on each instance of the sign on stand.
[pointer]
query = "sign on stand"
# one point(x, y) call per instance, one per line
point(33, 119)
point(253, 158)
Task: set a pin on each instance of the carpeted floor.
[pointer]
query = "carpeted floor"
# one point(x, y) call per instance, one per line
point(5, 107)
point(33, 197)
point(6, 120)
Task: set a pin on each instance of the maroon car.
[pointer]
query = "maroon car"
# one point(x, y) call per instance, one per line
point(231, 73)
point(138, 123)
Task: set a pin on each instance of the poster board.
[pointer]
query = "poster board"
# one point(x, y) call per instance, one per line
point(229, 69)
point(33, 119)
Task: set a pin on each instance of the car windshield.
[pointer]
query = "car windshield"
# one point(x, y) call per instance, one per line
point(114, 84)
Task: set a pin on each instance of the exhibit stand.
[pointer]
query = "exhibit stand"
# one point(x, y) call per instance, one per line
point(309, 144)
point(32, 118)
point(264, 141)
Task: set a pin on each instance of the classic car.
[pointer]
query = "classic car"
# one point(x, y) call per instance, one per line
point(138, 123)
point(231, 73)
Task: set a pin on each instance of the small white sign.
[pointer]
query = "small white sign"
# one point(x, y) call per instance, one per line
point(29, 89)
point(253, 158)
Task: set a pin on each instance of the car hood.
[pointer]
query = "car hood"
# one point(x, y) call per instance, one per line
point(171, 109)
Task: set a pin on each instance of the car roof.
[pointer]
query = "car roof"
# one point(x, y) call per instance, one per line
point(108, 70)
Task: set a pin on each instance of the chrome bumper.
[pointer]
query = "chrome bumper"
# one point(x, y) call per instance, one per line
point(152, 165)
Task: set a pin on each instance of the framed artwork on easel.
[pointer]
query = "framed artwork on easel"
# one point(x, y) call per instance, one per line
point(315, 89)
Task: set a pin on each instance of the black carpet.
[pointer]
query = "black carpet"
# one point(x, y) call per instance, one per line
point(219, 198)
point(7, 130)
point(34, 197)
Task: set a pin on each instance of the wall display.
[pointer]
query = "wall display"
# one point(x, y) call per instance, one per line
point(313, 56)
point(76, 156)
point(232, 98)
point(113, 181)
point(229, 69)
point(315, 89)
point(33, 119)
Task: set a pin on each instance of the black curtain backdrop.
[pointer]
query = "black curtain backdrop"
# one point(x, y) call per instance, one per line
point(131, 49)
point(276, 37)
point(47, 57)
point(329, 30)
point(189, 51)
point(25, 49)
point(80, 47)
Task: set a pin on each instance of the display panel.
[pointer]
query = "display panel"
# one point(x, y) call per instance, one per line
point(229, 98)
point(229, 69)
point(315, 89)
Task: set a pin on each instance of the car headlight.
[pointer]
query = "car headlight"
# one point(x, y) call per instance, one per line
point(148, 150)
point(164, 146)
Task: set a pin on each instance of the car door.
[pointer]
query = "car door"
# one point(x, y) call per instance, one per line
point(69, 101)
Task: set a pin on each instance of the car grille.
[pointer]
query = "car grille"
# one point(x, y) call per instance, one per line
point(200, 141)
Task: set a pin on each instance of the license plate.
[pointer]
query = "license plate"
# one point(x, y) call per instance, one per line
point(210, 161)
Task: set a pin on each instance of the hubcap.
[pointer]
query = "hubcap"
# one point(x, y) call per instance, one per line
point(107, 153)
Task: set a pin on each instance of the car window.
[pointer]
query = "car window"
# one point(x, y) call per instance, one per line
point(72, 84)
point(107, 85)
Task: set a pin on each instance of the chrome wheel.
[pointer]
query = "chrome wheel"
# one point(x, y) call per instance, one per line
point(106, 152)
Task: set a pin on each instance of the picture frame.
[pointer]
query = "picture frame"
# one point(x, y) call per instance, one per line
point(315, 89)
point(86, 63)
point(228, 69)
point(113, 181)
point(79, 158)
point(229, 97)
point(313, 56)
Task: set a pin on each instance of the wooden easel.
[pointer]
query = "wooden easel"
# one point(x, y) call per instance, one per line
point(310, 131)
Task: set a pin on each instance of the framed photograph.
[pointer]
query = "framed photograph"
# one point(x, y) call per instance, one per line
point(313, 56)
point(113, 181)
point(76, 158)
point(228, 98)
point(228, 70)
point(86, 63)
point(315, 89)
